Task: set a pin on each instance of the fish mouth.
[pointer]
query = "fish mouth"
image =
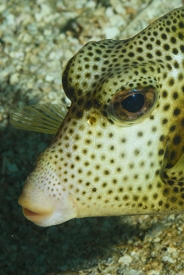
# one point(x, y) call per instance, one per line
point(41, 206)
point(35, 213)
point(38, 211)
point(34, 216)
point(44, 210)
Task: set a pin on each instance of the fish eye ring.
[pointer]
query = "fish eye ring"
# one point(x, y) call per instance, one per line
point(129, 105)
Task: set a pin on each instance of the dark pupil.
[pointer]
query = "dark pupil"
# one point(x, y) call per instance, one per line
point(133, 103)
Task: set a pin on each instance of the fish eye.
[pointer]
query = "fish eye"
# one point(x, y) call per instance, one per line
point(133, 103)
point(129, 105)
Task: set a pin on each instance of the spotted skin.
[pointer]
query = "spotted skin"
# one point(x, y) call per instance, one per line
point(107, 161)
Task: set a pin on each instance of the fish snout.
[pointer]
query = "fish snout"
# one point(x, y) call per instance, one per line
point(43, 207)
point(35, 210)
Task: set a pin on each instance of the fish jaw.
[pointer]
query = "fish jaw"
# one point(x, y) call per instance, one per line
point(42, 208)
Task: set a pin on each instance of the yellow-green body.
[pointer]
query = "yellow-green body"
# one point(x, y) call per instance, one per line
point(105, 160)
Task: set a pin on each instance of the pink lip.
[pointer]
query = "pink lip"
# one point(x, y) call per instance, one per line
point(33, 216)
point(29, 213)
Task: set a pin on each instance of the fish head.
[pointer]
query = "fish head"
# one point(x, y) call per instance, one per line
point(119, 149)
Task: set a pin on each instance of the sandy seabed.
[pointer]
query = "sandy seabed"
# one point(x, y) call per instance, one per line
point(37, 38)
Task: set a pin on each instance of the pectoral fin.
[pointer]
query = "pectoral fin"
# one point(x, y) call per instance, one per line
point(45, 118)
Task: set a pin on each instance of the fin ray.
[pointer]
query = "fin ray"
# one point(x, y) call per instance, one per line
point(45, 118)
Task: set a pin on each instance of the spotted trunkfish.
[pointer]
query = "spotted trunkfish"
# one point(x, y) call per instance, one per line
point(119, 148)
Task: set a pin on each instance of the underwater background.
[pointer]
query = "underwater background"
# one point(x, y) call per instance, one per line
point(37, 38)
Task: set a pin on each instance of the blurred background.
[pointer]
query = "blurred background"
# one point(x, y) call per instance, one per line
point(37, 38)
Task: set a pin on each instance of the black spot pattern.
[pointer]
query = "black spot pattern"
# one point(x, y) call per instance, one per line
point(111, 166)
